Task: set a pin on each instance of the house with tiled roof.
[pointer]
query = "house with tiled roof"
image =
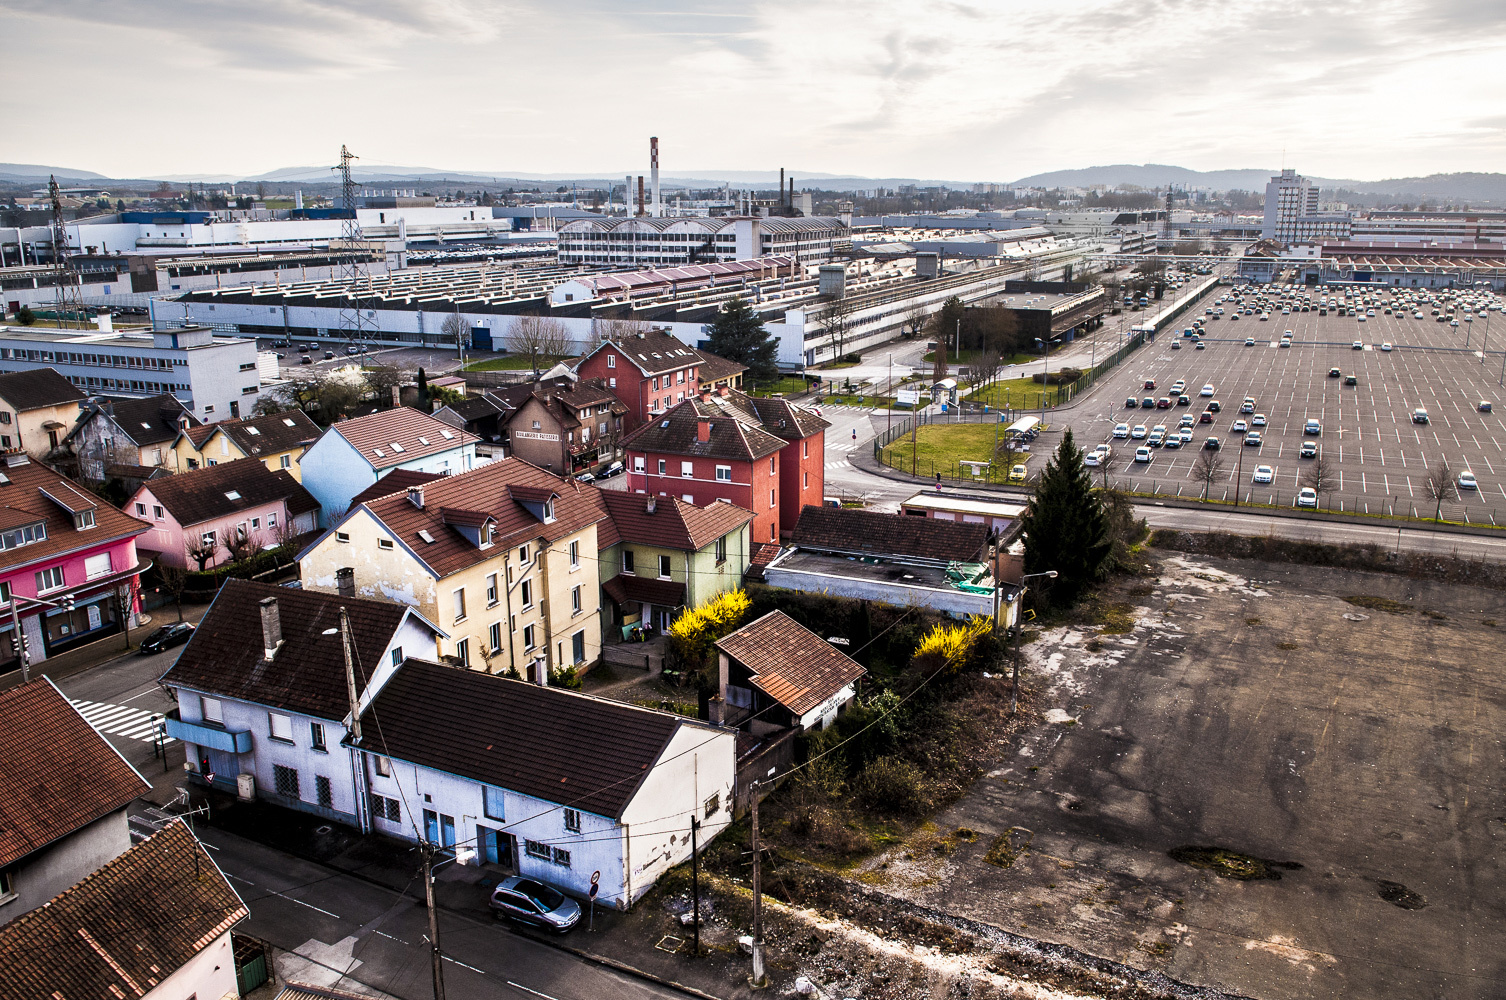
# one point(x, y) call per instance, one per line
point(277, 440)
point(57, 540)
point(649, 370)
point(553, 784)
point(716, 372)
point(126, 431)
point(151, 924)
point(503, 558)
point(262, 690)
point(567, 427)
point(766, 456)
point(661, 554)
point(213, 515)
point(353, 454)
point(63, 796)
point(774, 673)
point(37, 410)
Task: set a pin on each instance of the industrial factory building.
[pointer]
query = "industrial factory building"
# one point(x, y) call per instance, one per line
point(657, 241)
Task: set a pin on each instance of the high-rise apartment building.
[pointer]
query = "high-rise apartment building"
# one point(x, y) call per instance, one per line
point(1289, 198)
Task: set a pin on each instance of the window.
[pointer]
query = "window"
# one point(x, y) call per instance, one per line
point(575, 600)
point(494, 636)
point(805, 483)
point(805, 449)
point(287, 461)
point(323, 792)
point(141, 510)
point(680, 377)
point(522, 553)
point(459, 596)
point(611, 361)
point(627, 561)
point(721, 550)
point(4, 593)
point(612, 382)
point(272, 519)
point(663, 466)
point(8, 890)
point(527, 593)
point(493, 803)
point(637, 463)
point(491, 590)
point(285, 781)
point(561, 857)
point(463, 651)
point(342, 536)
point(771, 499)
point(316, 737)
point(575, 555)
point(656, 385)
point(212, 710)
point(528, 642)
point(664, 567)
point(384, 543)
point(281, 726)
point(97, 566)
point(578, 647)
point(572, 820)
point(256, 524)
point(687, 469)
point(384, 808)
point(157, 514)
point(724, 473)
point(771, 463)
point(49, 579)
point(714, 805)
point(384, 766)
point(536, 849)
point(397, 656)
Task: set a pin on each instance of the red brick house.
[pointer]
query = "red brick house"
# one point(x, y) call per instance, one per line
point(764, 455)
point(651, 372)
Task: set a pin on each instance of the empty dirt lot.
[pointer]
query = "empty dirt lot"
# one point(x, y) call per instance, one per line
point(1348, 755)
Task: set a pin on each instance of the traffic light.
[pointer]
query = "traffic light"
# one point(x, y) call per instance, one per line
point(67, 602)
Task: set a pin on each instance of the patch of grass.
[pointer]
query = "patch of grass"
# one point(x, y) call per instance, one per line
point(1002, 851)
point(1015, 393)
point(689, 709)
point(1379, 604)
point(1160, 949)
point(1115, 619)
point(1286, 645)
point(512, 363)
point(1231, 864)
point(941, 446)
point(1489, 621)
point(788, 386)
point(1437, 616)
point(1252, 621)
point(1142, 590)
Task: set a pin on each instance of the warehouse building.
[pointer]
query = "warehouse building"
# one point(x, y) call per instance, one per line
point(636, 241)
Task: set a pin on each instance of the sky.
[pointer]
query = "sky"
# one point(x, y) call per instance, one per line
point(973, 90)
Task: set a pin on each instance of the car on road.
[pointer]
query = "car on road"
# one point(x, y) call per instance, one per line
point(1249, 341)
point(1184, 400)
point(530, 901)
point(1351, 380)
point(1252, 439)
point(1484, 406)
point(1248, 406)
point(1148, 403)
point(1199, 346)
point(167, 637)
point(1467, 481)
point(1419, 416)
point(1206, 390)
point(1361, 317)
point(1149, 383)
point(1175, 441)
point(1385, 347)
point(1239, 427)
point(1131, 402)
point(1307, 497)
point(1176, 345)
point(1177, 387)
point(305, 360)
point(329, 355)
point(1139, 431)
point(1212, 444)
point(1258, 420)
point(1309, 449)
point(1164, 403)
point(1334, 373)
point(1263, 474)
point(1142, 454)
point(1205, 417)
point(1357, 346)
point(1121, 430)
point(353, 349)
point(1313, 427)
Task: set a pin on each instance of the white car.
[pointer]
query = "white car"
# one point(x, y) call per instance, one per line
point(1258, 420)
point(1240, 427)
point(1121, 430)
point(1142, 454)
point(1252, 439)
point(1467, 481)
point(1138, 431)
point(1361, 317)
point(1307, 497)
point(1092, 458)
point(1385, 347)
point(1263, 474)
point(1207, 390)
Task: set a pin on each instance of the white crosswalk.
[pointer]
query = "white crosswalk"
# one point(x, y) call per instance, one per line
point(118, 720)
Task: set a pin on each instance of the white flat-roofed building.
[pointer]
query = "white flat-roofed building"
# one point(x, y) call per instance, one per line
point(648, 240)
point(998, 515)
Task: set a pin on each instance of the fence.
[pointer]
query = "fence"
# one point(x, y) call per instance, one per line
point(1266, 497)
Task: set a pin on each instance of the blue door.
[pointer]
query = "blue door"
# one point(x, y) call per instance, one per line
point(447, 832)
point(431, 826)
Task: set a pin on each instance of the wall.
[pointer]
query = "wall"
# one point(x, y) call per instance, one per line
point(209, 974)
point(385, 574)
point(336, 472)
point(31, 435)
point(749, 488)
point(547, 451)
point(802, 478)
point(219, 378)
point(220, 449)
point(168, 539)
point(56, 867)
point(99, 443)
point(707, 579)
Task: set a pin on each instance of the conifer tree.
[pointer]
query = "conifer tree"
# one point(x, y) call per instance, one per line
point(1065, 526)
point(737, 334)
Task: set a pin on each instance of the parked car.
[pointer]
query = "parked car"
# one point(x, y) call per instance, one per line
point(1205, 417)
point(1138, 431)
point(1214, 406)
point(1467, 481)
point(1309, 449)
point(1212, 444)
point(1142, 454)
point(1385, 347)
point(1175, 441)
point(1239, 427)
point(1206, 390)
point(616, 469)
point(1313, 427)
point(1184, 400)
point(1249, 341)
point(329, 355)
point(1121, 430)
point(1351, 380)
point(1150, 383)
point(1131, 403)
point(167, 637)
point(1199, 346)
point(586, 477)
point(1148, 403)
point(1356, 346)
point(305, 360)
point(1419, 416)
point(1018, 474)
point(1164, 403)
point(1307, 497)
point(1263, 474)
point(1484, 406)
point(1334, 373)
point(1252, 439)
point(530, 901)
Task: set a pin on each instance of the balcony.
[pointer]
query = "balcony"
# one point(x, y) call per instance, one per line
point(212, 737)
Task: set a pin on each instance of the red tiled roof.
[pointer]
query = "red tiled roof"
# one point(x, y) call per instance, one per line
point(674, 524)
point(417, 434)
point(23, 502)
point(623, 588)
point(396, 481)
point(56, 773)
point(789, 662)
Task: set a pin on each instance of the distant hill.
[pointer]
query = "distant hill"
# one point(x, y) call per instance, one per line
point(1468, 187)
point(38, 172)
point(1150, 175)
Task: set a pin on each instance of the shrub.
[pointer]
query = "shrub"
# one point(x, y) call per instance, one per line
point(565, 677)
point(893, 785)
point(693, 634)
point(25, 316)
point(949, 646)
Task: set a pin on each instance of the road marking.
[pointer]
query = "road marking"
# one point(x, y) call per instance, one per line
point(239, 879)
point(118, 720)
point(389, 937)
point(447, 958)
point(525, 989)
point(143, 694)
point(309, 905)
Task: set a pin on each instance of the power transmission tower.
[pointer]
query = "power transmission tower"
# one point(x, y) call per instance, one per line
point(70, 296)
point(352, 266)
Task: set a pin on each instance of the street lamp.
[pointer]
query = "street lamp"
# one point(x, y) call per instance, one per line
point(1014, 691)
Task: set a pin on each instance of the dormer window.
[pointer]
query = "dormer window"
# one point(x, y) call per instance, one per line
point(83, 519)
point(24, 536)
point(548, 511)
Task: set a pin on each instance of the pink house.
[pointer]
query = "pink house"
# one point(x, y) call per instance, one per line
point(207, 517)
point(57, 541)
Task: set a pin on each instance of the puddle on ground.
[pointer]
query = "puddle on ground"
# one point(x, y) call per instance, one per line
point(1231, 864)
point(1399, 895)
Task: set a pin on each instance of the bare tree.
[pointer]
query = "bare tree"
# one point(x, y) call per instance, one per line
point(239, 543)
point(382, 379)
point(538, 337)
point(269, 403)
point(453, 328)
point(836, 318)
point(174, 580)
point(202, 548)
point(916, 320)
point(1320, 476)
point(1207, 469)
point(984, 367)
point(1440, 486)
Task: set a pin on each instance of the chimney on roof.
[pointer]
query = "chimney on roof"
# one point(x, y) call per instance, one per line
point(271, 628)
point(653, 502)
point(538, 672)
point(416, 496)
point(717, 706)
point(703, 430)
point(345, 581)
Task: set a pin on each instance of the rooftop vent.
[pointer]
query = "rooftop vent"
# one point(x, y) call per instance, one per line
point(424, 534)
point(416, 496)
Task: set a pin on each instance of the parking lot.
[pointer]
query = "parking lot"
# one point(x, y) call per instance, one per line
point(1378, 457)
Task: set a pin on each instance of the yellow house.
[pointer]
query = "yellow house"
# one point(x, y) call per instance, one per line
point(278, 439)
point(37, 410)
point(503, 557)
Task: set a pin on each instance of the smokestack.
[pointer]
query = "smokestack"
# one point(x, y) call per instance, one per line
point(627, 196)
point(781, 185)
point(271, 628)
point(791, 202)
point(653, 170)
point(640, 194)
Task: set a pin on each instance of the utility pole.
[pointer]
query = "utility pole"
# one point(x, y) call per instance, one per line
point(350, 678)
point(435, 956)
point(695, 886)
point(890, 394)
point(759, 979)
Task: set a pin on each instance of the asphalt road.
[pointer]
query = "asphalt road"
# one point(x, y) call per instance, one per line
point(347, 928)
point(121, 697)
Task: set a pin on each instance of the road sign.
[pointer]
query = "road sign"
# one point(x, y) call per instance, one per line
point(595, 882)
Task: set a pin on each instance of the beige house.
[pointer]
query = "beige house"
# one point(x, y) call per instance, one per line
point(37, 410)
point(278, 440)
point(503, 558)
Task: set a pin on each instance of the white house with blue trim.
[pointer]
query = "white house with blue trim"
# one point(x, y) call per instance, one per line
point(262, 691)
point(549, 783)
point(353, 454)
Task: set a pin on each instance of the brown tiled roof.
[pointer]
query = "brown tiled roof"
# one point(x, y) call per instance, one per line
point(307, 675)
point(622, 588)
point(123, 471)
point(652, 352)
point(39, 387)
point(204, 494)
point(841, 529)
point(789, 662)
point(782, 417)
point(763, 554)
point(23, 502)
point(396, 481)
point(674, 524)
point(124, 929)
point(714, 368)
point(474, 408)
point(675, 433)
point(153, 420)
point(198, 435)
point(404, 425)
point(554, 745)
point(493, 488)
point(272, 434)
point(56, 773)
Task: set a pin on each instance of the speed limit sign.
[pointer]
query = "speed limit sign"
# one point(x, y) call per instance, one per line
point(595, 882)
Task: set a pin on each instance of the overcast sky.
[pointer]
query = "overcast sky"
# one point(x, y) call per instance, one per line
point(969, 90)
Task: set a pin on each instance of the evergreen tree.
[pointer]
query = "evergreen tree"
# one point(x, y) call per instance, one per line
point(423, 387)
point(737, 334)
point(1065, 526)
